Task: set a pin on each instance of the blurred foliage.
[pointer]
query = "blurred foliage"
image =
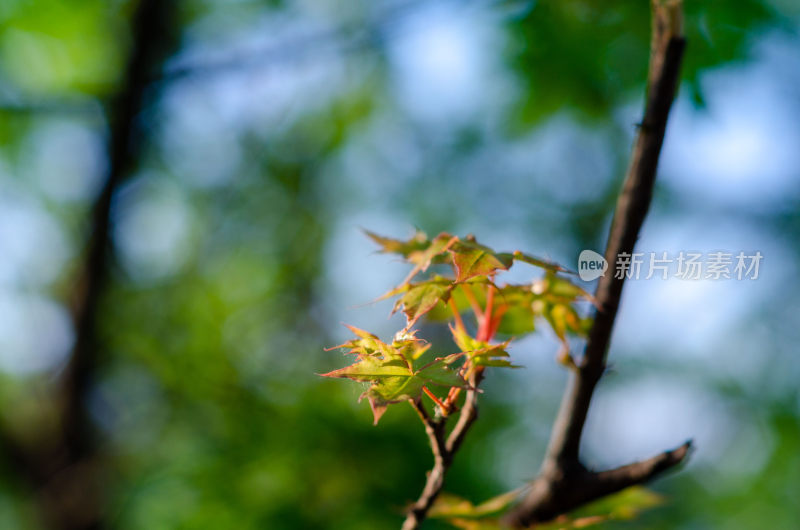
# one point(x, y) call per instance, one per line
point(208, 407)
point(589, 58)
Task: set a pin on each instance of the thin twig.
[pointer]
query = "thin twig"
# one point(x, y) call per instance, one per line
point(564, 483)
point(441, 462)
point(469, 413)
point(443, 450)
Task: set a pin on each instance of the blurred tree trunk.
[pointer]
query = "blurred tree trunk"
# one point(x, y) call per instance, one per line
point(66, 471)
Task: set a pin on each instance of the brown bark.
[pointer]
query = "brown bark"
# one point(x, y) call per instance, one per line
point(444, 448)
point(564, 483)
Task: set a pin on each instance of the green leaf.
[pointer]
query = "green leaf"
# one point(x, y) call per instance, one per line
point(540, 262)
point(469, 258)
point(625, 505)
point(552, 298)
point(494, 355)
point(439, 374)
point(482, 353)
point(418, 250)
point(418, 242)
point(449, 506)
point(368, 369)
point(557, 288)
point(436, 248)
point(442, 313)
point(367, 344)
point(564, 319)
point(517, 321)
point(410, 347)
point(472, 259)
point(391, 372)
point(421, 297)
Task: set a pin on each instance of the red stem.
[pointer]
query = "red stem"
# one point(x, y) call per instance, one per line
point(486, 322)
point(498, 316)
point(456, 315)
point(436, 400)
point(476, 307)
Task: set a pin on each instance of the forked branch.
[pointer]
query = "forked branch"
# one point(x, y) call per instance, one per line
point(443, 448)
point(564, 483)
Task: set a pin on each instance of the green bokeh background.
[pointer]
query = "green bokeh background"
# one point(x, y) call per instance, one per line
point(274, 131)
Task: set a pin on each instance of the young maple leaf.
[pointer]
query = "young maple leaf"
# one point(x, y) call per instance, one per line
point(472, 259)
point(421, 297)
point(392, 370)
point(419, 242)
point(393, 381)
point(482, 353)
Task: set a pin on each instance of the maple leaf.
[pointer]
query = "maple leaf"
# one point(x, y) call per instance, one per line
point(469, 257)
point(472, 259)
point(392, 372)
point(419, 298)
point(366, 344)
point(540, 262)
point(558, 289)
point(482, 353)
point(418, 242)
point(418, 250)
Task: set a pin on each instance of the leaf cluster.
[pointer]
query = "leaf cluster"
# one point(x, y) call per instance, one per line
point(404, 369)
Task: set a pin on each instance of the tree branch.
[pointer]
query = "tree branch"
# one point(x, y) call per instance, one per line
point(564, 483)
point(443, 450)
point(468, 415)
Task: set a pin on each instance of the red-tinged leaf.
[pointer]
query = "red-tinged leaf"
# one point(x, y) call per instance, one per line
point(492, 350)
point(402, 288)
point(411, 349)
point(360, 332)
point(482, 353)
point(472, 259)
point(367, 345)
point(396, 246)
point(422, 297)
point(418, 250)
point(393, 378)
point(368, 369)
point(377, 407)
point(424, 258)
point(443, 313)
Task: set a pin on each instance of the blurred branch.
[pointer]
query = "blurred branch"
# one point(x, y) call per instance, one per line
point(352, 37)
point(69, 465)
point(564, 483)
point(349, 38)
